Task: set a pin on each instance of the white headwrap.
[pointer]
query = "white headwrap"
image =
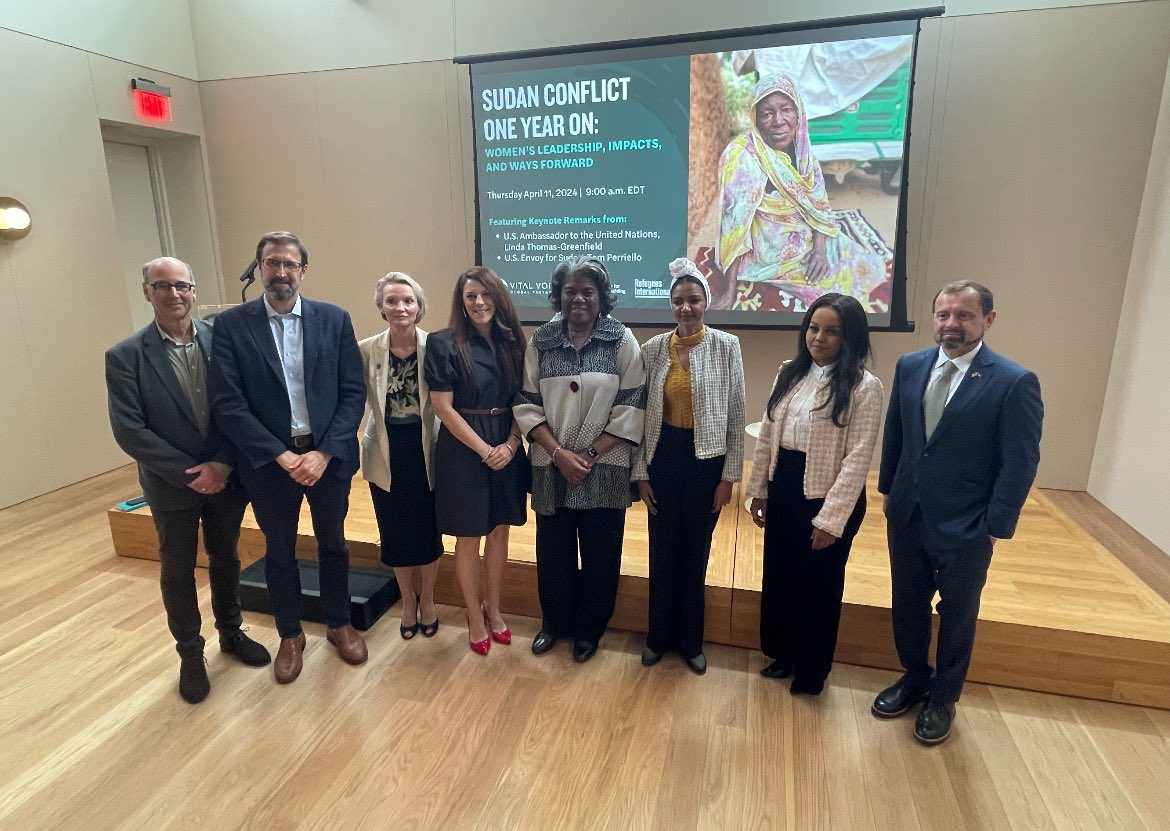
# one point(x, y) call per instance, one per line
point(682, 267)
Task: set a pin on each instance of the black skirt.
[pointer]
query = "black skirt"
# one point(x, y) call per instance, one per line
point(471, 499)
point(406, 514)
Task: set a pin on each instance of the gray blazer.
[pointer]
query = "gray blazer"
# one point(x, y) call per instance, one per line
point(153, 421)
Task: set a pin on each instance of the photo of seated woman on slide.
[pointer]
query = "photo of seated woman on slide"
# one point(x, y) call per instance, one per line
point(776, 225)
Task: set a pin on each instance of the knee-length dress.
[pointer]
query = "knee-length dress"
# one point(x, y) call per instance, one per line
point(471, 499)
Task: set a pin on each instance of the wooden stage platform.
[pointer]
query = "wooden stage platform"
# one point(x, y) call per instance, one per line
point(1060, 613)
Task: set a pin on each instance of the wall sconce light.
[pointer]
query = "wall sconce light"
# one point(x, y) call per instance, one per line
point(15, 220)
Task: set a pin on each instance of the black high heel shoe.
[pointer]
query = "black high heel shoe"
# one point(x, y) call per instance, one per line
point(431, 629)
point(408, 632)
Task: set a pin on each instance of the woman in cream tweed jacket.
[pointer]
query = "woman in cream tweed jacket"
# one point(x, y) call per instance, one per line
point(808, 487)
point(687, 463)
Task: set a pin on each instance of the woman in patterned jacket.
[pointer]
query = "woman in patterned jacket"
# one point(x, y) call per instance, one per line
point(582, 407)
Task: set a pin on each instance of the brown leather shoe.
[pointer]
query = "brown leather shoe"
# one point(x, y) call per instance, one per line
point(349, 643)
point(287, 665)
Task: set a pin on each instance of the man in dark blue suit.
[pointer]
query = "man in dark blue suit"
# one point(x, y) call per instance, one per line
point(287, 388)
point(959, 454)
point(157, 385)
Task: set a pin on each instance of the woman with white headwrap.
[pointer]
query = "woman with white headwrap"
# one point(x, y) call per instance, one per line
point(685, 467)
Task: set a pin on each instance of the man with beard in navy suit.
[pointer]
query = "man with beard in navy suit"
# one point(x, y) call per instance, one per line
point(287, 388)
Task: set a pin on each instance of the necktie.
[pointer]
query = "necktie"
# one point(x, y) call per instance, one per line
point(935, 399)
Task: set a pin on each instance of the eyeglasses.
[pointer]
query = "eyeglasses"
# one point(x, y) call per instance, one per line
point(180, 287)
point(276, 265)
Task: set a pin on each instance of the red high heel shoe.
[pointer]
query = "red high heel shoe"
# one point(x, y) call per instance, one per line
point(504, 637)
point(478, 647)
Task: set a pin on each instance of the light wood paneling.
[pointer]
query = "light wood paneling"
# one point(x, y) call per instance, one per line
point(429, 735)
point(1060, 613)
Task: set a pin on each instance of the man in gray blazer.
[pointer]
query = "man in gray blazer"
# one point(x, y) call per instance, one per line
point(160, 415)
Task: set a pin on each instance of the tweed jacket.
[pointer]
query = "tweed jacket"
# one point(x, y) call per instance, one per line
point(375, 446)
point(580, 394)
point(717, 400)
point(838, 458)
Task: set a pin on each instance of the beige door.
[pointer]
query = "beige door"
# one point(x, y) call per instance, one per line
point(138, 208)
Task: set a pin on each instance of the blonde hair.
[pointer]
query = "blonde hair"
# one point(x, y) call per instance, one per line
point(401, 279)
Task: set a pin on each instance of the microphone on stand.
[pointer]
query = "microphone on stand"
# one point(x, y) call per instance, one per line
point(247, 278)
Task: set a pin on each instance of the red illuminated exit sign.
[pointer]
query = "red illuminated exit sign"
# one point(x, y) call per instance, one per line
point(153, 101)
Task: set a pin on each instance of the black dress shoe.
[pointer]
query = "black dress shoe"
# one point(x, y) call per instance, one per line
point(247, 650)
point(697, 664)
point(583, 650)
point(543, 642)
point(650, 657)
point(777, 669)
point(897, 700)
point(933, 724)
point(802, 686)
point(194, 685)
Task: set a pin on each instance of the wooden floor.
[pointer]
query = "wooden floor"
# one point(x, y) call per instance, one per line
point(428, 735)
point(1061, 613)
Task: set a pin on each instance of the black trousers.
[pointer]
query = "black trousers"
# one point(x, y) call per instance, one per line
point(578, 601)
point(276, 502)
point(958, 575)
point(800, 604)
point(680, 541)
point(178, 545)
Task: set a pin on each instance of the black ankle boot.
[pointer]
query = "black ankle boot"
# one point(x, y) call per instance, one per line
point(194, 685)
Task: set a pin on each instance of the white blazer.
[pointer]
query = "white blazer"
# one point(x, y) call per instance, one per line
point(375, 443)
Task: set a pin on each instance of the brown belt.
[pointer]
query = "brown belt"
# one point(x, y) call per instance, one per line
point(494, 411)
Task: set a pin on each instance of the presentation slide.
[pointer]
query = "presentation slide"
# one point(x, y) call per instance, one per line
point(774, 162)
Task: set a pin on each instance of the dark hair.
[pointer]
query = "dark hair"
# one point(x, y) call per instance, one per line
point(507, 337)
point(282, 238)
point(986, 301)
point(582, 265)
point(847, 373)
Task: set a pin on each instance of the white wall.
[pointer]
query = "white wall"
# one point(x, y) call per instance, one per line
point(482, 27)
point(245, 38)
point(1131, 465)
point(381, 157)
point(155, 34)
point(62, 298)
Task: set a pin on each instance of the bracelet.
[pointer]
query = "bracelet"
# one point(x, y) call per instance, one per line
point(553, 458)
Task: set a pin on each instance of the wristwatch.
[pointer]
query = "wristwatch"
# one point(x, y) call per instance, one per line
point(591, 452)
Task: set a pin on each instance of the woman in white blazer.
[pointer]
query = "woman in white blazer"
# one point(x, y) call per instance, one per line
point(397, 450)
point(687, 463)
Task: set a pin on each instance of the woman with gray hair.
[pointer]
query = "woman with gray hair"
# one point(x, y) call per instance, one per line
point(688, 462)
point(397, 445)
point(581, 406)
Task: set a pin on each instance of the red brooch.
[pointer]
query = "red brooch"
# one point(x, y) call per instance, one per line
point(574, 386)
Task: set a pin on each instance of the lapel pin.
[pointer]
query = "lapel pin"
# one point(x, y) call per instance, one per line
point(976, 374)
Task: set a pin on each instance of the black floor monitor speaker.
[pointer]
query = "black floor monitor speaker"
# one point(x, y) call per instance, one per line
point(371, 593)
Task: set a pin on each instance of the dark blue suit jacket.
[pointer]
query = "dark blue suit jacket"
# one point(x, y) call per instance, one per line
point(153, 421)
point(971, 479)
point(250, 400)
